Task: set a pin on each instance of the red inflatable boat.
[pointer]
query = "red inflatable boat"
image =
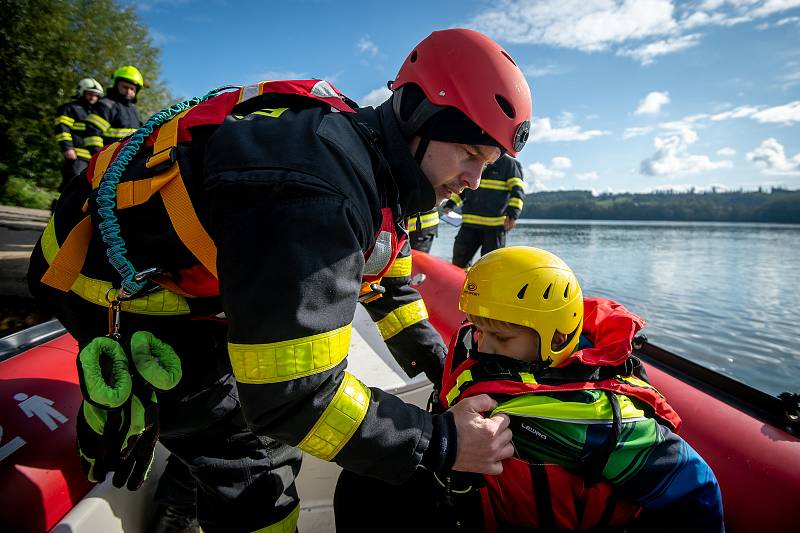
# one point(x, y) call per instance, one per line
point(749, 438)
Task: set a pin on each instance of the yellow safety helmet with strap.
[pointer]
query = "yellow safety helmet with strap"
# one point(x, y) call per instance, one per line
point(129, 73)
point(532, 288)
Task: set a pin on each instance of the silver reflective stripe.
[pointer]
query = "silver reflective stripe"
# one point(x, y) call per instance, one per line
point(323, 89)
point(249, 92)
point(380, 256)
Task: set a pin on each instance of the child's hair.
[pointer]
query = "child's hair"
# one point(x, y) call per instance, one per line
point(491, 323)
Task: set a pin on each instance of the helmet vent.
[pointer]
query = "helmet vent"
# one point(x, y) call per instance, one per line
point(505, 106)
point(566, 291)
point(413, 57)
point(546, 294)
point(521, 293)
point(509, 57)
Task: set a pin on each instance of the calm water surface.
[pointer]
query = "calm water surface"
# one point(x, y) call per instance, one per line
point(725, 295)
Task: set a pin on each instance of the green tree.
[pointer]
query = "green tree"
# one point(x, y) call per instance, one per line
point(46, 46)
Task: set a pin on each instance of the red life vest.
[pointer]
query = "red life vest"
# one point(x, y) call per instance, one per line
point(200, 280)
point(549, 495)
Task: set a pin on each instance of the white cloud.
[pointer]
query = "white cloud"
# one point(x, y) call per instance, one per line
point(636, 131)
point(672, 157)
point(641, 29)
point(743, 111)
point(366, 46)
point(648, 53)
point(540, 173)
point(771, 157)
point(540, 71)
point(784, 114)
point(652, 103)
point(588, 176)
point(376, 97)
point(788, 20)
point(543, 131)
point(726, 152)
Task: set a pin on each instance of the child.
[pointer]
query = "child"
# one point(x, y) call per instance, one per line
point(595, 447)
point(594, 442)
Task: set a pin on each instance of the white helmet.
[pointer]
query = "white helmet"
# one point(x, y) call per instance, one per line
point(90, 85)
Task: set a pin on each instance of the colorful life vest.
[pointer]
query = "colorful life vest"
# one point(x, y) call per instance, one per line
point(165, 180)
point(549, 495)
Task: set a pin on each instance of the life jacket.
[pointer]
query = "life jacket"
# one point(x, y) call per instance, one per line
point(164, 180)
point(549, 496)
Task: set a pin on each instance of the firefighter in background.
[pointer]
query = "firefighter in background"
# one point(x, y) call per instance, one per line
point(115, 116)
point(70, 129)
point(489, 212)
point(240, 333)
point(422, 229)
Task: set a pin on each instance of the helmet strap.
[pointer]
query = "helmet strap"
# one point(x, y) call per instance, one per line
point(422, 147)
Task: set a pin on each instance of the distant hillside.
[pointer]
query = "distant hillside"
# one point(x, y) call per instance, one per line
point(777, 205)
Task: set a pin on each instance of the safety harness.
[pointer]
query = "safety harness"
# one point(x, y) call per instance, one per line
point(546, 495)
point(161, 136)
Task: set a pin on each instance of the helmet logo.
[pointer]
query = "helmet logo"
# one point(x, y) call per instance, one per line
point(521, 135)
point(472, 288)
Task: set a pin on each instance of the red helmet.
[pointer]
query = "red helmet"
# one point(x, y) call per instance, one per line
point(469, 71)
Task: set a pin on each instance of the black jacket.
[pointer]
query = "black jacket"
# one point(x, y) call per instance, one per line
point(113, 118)
point(500, 194)
point(70, 127)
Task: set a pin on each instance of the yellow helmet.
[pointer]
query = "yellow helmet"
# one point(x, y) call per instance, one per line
point(129, 73)
point(532, 288)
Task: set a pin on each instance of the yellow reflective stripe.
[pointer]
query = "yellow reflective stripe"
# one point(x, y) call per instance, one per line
point(516, 182)
point(64, 136)
point(428, 221)
point(494, 185)
point(287, 360)
point(83, 153)
point(401, 268)
point(339, 421)
point(93, 140)
point(482, 221)
point(551, 408)
point(287, 525)
point(79, 126)
point(401, 318)
point(272, 113)
point(456, 199)
point(119, 133)
point(159, 303)
point(527, 377)
point(464, 377)
point(515, 202)
point(98, 121)
point(65, 120)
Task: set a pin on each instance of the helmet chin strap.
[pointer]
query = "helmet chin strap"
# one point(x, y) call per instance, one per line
point(422, 147)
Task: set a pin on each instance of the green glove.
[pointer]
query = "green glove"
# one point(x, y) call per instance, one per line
point(158, 369)
point(106, 385)
point(118, 421)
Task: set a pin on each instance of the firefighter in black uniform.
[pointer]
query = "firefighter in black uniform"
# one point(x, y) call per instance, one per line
point(70, 129)
point(266, 214)
point(115, 116)
point(422, 229)
point(489, 212)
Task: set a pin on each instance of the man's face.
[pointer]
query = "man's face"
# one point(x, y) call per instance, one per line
point(90, 97)
point(452, 167)
point(126, 89)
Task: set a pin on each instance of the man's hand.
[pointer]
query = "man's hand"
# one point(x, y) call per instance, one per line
point(482, 442)
point(509, 223)
point(69, 155)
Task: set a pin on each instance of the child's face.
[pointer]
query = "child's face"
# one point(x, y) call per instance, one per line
point(518, 342)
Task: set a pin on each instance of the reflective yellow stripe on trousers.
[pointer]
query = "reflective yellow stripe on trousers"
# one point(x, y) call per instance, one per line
point(401, 268)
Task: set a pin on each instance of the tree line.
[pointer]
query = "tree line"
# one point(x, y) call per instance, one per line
point(776, 205)
point(46, 46)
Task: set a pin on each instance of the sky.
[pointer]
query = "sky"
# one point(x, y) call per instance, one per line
point(628, 95)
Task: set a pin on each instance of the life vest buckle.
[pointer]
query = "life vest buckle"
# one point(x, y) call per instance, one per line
point(164, 158)
point(370, 292)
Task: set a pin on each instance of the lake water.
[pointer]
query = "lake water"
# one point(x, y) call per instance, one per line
point(725, 295)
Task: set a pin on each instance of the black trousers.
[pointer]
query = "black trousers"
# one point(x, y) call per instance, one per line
point(470, 238)
point(244, 482)
point(422, 240)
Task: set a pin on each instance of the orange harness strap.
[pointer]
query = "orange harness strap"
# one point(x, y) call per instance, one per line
point(68, 261)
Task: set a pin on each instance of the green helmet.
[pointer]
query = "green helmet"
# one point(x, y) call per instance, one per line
point(128, 73)
point(89, 85)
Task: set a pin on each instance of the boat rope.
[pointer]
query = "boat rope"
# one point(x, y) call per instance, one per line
point(107, 196)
